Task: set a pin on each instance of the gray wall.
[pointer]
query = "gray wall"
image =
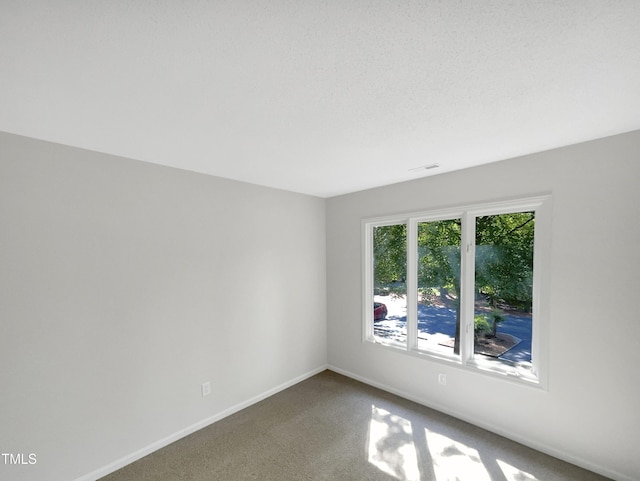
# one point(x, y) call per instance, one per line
point(589, 414)
point(125, 285)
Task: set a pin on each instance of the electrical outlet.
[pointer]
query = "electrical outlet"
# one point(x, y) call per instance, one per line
point(442, 379)
point(206, 388)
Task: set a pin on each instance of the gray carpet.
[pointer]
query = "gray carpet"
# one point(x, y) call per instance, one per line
point(330, 427)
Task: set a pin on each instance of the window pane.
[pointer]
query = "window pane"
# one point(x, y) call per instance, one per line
point(389, 283)
point(504, 286)
point(439, 285)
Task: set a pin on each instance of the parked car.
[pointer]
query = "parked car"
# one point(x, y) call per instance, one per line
point(379, 311)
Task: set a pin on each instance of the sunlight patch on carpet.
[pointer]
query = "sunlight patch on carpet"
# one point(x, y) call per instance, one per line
point(454, 461)
point(514, 474)
point(391, 448)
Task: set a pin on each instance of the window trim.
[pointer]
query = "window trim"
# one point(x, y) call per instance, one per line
point(537, 373)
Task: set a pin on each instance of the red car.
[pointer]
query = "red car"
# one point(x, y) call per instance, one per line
point(379, 311)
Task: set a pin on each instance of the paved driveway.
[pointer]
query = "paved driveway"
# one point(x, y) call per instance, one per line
point(435, 319)
point(520, 327)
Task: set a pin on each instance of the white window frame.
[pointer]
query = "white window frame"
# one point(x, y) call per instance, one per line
point(533, 373)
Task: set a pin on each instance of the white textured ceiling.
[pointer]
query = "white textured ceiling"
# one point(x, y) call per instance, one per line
point(322, 97)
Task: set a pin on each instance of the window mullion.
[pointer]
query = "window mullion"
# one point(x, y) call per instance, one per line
point(367, 295)
point(412, 284)
point(467, 287)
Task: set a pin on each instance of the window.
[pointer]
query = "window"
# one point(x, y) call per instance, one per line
point(390, 272)
point(462, 285)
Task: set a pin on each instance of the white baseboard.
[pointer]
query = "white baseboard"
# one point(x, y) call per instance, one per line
point(551, 451)
point(161, 443)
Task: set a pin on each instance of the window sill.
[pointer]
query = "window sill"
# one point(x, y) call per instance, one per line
point(517, 374)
